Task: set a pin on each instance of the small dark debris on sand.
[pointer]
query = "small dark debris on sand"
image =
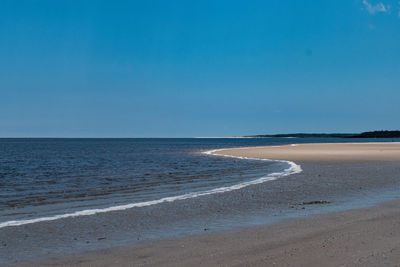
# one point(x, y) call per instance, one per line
point(312, 202)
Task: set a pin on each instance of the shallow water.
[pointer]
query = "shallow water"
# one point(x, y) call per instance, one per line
point(45, 177)
point(175, 167)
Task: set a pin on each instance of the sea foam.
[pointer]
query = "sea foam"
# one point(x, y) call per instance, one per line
point(292, 169)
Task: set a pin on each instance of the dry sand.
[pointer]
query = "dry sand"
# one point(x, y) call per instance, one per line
point(361, 237)
point(322, 152)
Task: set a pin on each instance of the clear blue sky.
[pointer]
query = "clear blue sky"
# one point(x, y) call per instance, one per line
point(198, 68)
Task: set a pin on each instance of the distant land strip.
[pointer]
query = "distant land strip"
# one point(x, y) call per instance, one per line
point(372, 134)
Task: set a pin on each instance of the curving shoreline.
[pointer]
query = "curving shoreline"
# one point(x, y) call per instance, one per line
point(292, 169)
point(283, 153)
point(317, 152)
point(366, 235)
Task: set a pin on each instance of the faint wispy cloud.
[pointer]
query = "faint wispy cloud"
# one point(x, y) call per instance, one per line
point(398, 7)
point(379, 7)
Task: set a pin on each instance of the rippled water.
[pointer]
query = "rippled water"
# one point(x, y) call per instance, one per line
point(40, 177)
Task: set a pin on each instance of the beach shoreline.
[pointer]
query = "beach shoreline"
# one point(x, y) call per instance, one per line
point(360, 237)
point(319, 152)
point(356, 235)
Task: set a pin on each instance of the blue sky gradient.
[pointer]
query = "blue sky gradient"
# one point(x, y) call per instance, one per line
point(205, 68)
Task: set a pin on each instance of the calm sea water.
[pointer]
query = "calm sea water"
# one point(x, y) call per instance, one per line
point(44, 177)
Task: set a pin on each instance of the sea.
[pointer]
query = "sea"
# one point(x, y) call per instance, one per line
point(56, 178)
point(60, 196)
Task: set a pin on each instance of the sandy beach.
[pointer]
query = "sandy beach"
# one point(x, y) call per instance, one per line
point(345, 152)
point(367, 236)
point(364, 237)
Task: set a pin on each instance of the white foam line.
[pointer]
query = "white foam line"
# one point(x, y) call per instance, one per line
point(292, 169)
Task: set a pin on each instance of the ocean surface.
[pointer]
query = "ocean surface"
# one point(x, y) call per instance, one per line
point(43, 178)
point(66, 196)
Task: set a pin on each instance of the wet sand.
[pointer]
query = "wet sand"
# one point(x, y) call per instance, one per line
point(332, 173)
point(363, 237)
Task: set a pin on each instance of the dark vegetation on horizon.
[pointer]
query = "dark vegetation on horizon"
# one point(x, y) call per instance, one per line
point(373, 134)
point(378, 134)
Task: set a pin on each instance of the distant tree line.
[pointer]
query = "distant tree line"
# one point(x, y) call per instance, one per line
point(373, 134)
point(378, 134)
